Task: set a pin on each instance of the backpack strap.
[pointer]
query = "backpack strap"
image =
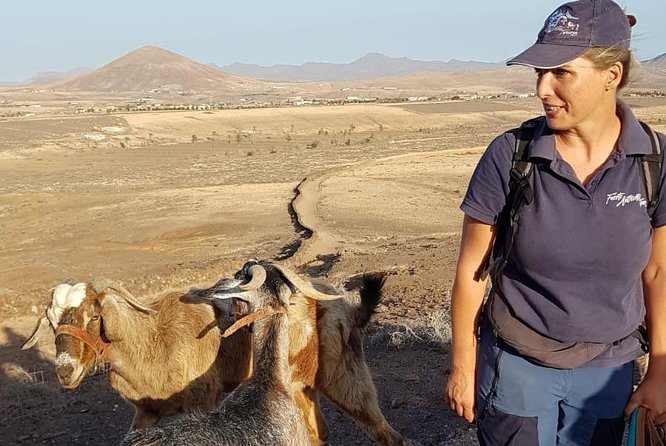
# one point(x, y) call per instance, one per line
point(641, 334)
point(520, 194)
point(651, 169)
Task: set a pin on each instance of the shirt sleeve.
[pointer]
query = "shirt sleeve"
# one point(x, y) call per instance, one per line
point(489, 186)
point(659, 216)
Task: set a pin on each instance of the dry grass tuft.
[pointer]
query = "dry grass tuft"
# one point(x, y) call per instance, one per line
point(24, 393)
point(433, 329)
point(16, 373)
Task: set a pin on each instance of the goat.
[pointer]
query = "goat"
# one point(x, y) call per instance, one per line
point(327, 357)
point(166, 357)
point(325, 354)
point(261, 410)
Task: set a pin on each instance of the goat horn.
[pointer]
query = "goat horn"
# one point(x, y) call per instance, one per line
point(122, 292)
point(42, 325)
point(303, 286)
point(258, 277)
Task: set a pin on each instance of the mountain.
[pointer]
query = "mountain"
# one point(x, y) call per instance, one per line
point(53, 76)
point(372, 65)
point(651, 74)
point(150, 68)
point(660, 61)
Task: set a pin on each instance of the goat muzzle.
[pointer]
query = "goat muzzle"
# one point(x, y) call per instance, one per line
point(98, 345)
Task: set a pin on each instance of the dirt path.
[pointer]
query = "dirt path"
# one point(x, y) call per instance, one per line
point(307, 202)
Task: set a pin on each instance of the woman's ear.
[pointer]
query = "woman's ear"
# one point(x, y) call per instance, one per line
point(614, 75)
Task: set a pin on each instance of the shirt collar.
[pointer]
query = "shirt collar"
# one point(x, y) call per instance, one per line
point(633, 139)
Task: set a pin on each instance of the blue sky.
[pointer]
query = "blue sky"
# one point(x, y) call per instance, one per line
point(47, 35)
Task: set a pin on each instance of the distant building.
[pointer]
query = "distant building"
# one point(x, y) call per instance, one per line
point(94, 137)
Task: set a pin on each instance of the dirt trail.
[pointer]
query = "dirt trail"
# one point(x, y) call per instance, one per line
point(322, 242)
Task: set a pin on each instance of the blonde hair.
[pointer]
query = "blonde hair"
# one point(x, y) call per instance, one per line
point(604, 57)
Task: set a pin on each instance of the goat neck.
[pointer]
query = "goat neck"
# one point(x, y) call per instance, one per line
point(271, 344)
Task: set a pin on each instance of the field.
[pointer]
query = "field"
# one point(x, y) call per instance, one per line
point(179, 199)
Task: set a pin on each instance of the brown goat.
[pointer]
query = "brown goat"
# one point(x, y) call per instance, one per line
point(166, 357)
point(325, 354)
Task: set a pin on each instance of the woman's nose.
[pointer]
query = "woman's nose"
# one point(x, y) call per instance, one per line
point(543, 86)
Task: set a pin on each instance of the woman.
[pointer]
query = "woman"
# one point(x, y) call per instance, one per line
point(587, 262)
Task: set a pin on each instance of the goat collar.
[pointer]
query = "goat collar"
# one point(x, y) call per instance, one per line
point(98, 345)
point(248, 319)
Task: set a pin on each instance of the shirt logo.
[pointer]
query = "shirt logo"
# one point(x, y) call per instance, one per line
point(561, 22)
point(620, 199)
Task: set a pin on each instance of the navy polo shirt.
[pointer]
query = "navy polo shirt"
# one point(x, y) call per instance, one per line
point(574, 271)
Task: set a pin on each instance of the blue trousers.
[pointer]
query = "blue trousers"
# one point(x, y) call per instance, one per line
point(523, 404)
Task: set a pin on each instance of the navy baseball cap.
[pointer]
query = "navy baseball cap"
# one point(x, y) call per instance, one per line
point(575, 27)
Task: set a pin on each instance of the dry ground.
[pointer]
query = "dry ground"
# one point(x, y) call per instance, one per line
point(174, 200)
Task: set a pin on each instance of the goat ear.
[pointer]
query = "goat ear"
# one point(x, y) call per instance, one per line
point(284, 292)
point(41, 327)
point(112, 317)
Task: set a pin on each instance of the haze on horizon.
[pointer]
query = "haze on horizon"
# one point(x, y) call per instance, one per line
point(41, 35)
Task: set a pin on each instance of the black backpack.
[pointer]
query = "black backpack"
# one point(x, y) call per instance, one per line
point(521, 193)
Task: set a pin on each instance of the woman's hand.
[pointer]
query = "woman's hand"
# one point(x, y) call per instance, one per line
point(460, 393)
point(651, 394)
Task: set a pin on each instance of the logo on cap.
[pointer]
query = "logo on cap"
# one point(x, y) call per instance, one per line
point(561, 22)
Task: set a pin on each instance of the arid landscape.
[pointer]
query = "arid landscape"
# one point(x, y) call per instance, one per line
point(94, 183)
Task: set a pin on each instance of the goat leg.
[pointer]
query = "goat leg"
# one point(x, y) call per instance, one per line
point(345, 379)
point(144, 419)
point(307, 401)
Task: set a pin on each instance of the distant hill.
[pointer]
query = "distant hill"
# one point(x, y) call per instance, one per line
point(659, 60)
point(372, 65)
point(53, 76)
point(150, 68)
point(650, 75)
